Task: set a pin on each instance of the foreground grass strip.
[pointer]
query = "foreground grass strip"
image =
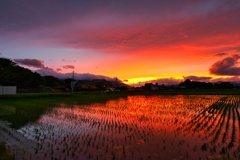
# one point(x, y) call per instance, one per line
point(4, 153)
point(29, 107)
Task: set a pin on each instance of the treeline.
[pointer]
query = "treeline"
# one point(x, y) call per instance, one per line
point(13, 75)
point(188, 84)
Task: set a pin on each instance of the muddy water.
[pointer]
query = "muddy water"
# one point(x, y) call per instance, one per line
point(138, 127)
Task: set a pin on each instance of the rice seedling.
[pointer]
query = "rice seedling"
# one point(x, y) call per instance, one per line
point(139, 127)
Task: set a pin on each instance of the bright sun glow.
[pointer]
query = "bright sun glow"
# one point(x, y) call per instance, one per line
point(141, 80)
point(132, 81)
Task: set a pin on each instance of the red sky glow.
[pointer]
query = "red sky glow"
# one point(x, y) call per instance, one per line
point(132, 40)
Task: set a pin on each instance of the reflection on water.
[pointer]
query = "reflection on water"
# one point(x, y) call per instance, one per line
point(139, 127)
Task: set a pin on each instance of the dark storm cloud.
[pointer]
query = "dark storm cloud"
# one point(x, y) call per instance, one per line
point(29, 14)
point(197, 78)
point(30, 62)
point(122, 24)
point(227, 66)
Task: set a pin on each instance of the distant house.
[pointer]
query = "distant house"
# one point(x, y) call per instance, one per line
point(62, 88)
point(8, 90)
point(183, 86)
point(95, 84)
point(150, 86)
point(84, 85)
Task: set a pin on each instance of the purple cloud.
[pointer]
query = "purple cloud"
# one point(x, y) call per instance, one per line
point(77, 76)
point(165, 81)
point(234, 79)
point(47, 72)
point(68, 67)
point(193, 31)
point(123, 24)
point(221, 54)
point(30, 62)
point(64, 60)
point(227, 66)
point(18, 16)
point(197, 78)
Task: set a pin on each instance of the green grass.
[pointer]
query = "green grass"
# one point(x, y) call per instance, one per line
point(4, 153)
point(22, 109)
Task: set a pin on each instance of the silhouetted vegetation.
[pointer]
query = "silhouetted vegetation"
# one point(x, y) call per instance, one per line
point(188, 84)
point(52, 81)
point(12, 74)
point(4, 153)
point(27, 81)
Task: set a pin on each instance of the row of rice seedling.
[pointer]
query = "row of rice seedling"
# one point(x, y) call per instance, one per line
point(218, 126)
point(139, 127)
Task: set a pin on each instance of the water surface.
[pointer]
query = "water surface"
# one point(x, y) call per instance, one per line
point(138, 127)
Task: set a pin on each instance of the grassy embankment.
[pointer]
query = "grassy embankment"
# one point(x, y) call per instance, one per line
point(21, 109)
point(4, 153)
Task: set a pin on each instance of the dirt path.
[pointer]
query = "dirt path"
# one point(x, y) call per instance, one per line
point(21, 147)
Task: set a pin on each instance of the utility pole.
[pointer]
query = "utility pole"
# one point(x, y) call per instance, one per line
point(73, 83)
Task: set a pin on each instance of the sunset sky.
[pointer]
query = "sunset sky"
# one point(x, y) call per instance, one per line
point(161, 40)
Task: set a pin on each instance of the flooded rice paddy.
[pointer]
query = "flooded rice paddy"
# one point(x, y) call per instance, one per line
point(139, 127)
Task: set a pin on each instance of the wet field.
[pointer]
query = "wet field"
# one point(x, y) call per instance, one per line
point(138, 127)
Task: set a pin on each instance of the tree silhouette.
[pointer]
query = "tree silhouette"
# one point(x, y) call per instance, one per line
point(12, 74)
